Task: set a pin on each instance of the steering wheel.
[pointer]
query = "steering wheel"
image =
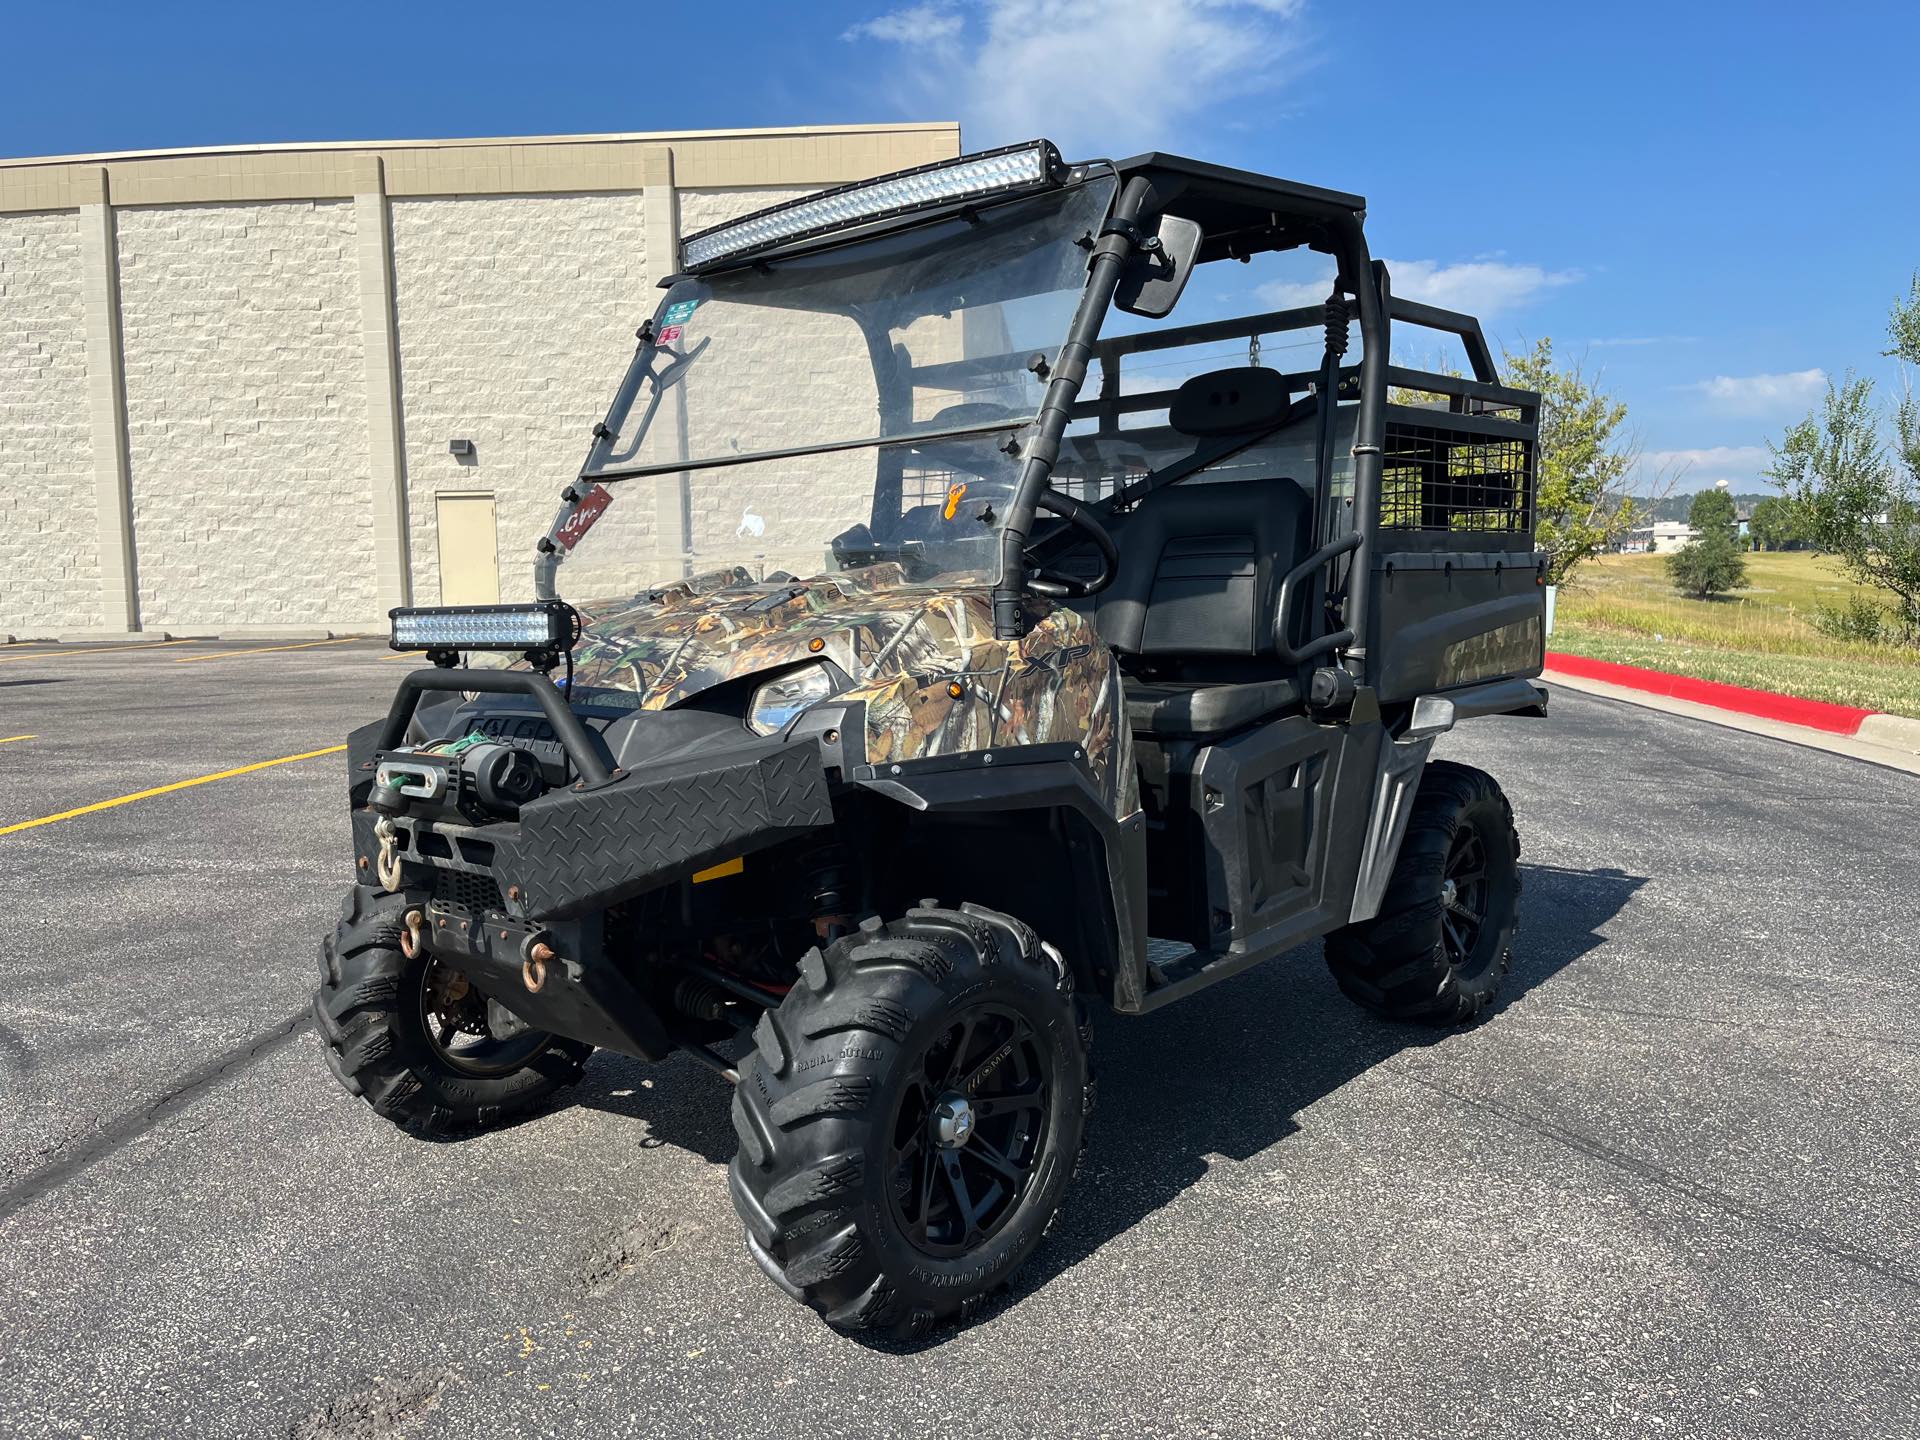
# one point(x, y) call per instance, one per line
point(1056, 586)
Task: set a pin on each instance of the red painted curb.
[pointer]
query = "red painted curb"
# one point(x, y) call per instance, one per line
point(1814, 714)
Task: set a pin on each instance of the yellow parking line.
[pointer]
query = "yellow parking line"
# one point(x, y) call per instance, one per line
point(263, 649)
point(169, 789)
point(8, 740)
point(89, 650)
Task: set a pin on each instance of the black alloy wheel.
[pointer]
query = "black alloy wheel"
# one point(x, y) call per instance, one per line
point(459, 1027)
point(910, 1118)
point(1441, 944)
point(971, 1123)
point(415, 1040)
point(1463, 896)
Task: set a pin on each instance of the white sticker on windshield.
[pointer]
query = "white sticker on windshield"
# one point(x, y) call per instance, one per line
point(751, 525)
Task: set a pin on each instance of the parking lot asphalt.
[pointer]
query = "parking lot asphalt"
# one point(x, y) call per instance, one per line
point(1667, 1188)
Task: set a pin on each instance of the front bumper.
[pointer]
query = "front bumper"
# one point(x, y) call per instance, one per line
point(490, 894)
point(576, 851)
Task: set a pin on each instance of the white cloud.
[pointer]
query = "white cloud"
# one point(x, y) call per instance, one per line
point(1288, 294)
point(1483, 288)
point(1739, 465)
point(1479, 287)
point(1644, 340)
point(915, 25)
point(1763, 394)
point(1099, 77)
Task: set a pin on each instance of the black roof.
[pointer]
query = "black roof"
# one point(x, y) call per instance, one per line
point(1248, 186)
point(1241, 211)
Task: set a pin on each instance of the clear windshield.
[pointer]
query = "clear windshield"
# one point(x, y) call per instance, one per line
point(923, 353)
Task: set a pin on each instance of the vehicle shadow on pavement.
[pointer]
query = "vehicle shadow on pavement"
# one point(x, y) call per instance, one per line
point(683, 1103)
point(1166, 1103)
point(1223, 1074)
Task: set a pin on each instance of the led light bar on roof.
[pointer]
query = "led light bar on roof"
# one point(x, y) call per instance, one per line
point(1015, 168)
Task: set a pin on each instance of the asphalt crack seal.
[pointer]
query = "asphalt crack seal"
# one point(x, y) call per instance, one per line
point(628, 1249)
point(189, 1088)
point(1829, 1245)
point(378, 1411)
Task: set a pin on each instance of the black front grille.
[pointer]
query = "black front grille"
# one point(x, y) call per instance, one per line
point(465, 887)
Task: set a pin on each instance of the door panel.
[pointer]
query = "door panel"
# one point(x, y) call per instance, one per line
point(469, 549)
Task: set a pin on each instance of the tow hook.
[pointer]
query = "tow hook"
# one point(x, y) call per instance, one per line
point(412, 939)
point(387, 866)
point(533, 969)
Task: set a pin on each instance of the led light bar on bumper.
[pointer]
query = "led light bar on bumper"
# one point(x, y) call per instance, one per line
point(543, 625)
point(992, 172)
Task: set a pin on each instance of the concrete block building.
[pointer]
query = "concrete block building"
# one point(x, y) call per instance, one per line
point(268, 390)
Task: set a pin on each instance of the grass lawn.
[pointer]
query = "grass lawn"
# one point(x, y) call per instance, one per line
point(1623, 608)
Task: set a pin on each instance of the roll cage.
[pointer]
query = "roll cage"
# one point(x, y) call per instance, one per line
point(1241, 214)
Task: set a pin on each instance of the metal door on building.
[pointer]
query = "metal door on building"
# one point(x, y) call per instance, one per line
point(469, 548)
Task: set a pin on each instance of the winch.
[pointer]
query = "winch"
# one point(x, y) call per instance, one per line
point(476, 776)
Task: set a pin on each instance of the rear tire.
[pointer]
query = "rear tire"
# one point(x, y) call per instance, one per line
point(1441, 945)
point(372, 1014)
point(910, 1118)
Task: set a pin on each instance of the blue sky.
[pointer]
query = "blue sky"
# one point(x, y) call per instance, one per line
point(1714, 204)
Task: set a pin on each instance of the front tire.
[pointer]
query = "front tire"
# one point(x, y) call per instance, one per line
point(1442, 943)
point(405, 1034)
point(910, 1118)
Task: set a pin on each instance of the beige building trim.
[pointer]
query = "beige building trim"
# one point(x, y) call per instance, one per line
point(554, 164)
point(30, 185)
point(107, 405)
point(387, 465)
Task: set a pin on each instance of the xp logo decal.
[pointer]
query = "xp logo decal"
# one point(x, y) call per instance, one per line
point(1056, 661)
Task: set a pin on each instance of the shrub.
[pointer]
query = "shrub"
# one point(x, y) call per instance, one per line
point(1860, 619)
point(1857, 498)
point(1709, 566)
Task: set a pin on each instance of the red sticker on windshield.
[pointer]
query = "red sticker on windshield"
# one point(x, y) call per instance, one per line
point(669, 335)
point(585, 511)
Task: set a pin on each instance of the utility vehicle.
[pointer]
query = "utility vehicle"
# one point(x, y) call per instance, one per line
point(911, 695)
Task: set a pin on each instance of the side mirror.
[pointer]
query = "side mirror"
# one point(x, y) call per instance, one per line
point(1152, 282)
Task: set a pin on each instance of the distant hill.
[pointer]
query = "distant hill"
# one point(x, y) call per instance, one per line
point(1675, 507)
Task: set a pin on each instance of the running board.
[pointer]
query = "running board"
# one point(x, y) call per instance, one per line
point(1176, 968)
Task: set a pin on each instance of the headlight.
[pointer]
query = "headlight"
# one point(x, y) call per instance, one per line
point(779, 700)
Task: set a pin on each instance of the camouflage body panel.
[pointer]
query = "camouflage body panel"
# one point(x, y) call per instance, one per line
point(905, 648)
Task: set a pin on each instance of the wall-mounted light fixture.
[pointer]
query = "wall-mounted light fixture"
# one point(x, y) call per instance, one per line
point(462, 449)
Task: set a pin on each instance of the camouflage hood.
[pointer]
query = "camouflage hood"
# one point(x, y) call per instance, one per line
point(905, 649)
point(678, 640)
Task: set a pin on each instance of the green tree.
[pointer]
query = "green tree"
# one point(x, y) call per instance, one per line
point(1903, 325)
point(1777, 524)
point(1860, 499)
point(1712, 513)
point(1581, 505)
point(1712, 562)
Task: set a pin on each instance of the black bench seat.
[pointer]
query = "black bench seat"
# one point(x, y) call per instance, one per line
point(1177, 709)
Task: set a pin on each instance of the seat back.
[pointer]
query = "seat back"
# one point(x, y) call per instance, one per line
point(1200, 568)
